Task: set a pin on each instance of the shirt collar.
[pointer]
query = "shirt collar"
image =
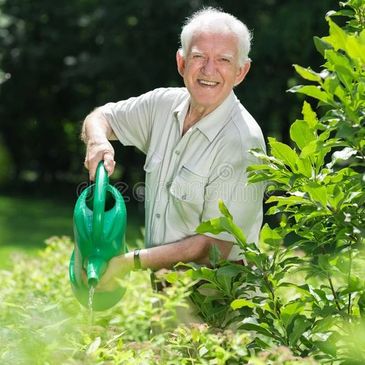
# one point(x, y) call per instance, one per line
point(212, 123)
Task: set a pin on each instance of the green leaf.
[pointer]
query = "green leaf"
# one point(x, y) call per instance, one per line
point(338, 37)
point(361, 304)
point(257, 328)
point(270, 236)
point(355, 48)
point(214, 225)
point(317, 192)
point(290, 311)
point(290, 262)
point(225, 276)
point(288, 200)
point(284, 153)
point(336, 195)
point(301, 133)
point(215, 255)
point(305, 166)
point(222, 224)
point(314, 92)
point(303, 290)
point(309, 115)
point(203, 273)
point(307, 73)
point(355, 285)
point(321, 45)
point(239, 303)
point(325, 324)
point(223, 209)
point(333, 87)
point(328, 347)
point(341, 65)
point(301, 325)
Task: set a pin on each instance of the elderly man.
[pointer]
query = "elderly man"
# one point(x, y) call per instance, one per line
point(196, 140)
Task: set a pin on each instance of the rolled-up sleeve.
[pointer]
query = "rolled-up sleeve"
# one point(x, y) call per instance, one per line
point(131, 120)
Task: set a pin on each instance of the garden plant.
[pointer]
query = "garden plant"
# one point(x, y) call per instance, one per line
point(304, 287)
point(299, 298)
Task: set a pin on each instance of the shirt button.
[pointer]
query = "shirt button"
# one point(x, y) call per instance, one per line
point(168, 185)
point(183, 197)
point(158, 215)
point(177, 153)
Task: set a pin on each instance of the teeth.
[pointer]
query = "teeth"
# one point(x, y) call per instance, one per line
point(208, 83)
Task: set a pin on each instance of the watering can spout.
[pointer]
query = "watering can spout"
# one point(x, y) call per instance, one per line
point(95, 269)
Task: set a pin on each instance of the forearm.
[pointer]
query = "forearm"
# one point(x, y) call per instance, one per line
point(191, 249)
point(96, 133)
point(96, 129)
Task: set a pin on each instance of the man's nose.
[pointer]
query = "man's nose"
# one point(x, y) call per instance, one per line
point(208, 67)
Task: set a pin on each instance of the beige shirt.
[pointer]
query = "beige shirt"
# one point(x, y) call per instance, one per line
point(186, 175)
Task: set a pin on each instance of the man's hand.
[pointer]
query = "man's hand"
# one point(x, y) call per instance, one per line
point(96, 133)
point(97, 151)
point(117, 268)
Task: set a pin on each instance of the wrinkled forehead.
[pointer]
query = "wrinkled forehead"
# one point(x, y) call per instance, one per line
point(225, 43)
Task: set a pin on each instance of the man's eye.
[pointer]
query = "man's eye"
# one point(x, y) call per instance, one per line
point(197, 56)
point(223, 59)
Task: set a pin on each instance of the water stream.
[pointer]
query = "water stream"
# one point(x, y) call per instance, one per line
point(90, 305)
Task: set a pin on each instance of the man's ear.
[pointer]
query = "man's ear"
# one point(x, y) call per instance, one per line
point(242, 72)
point(180, 61)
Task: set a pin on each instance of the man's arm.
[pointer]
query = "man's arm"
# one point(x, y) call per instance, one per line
point(190, 249)
point(96, 133)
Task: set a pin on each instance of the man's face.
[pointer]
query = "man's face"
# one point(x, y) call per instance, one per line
point(210, 69)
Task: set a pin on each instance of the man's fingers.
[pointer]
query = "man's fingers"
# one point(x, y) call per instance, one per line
point(96, 152)
point(109, 162)
point(92, 165)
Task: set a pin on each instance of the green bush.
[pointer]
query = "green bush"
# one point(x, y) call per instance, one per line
point(42, 323)
point(303, 287)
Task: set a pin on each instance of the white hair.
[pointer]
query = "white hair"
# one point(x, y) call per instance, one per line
point(211, 20)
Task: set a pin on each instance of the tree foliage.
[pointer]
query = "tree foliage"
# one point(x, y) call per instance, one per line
point(59, 61)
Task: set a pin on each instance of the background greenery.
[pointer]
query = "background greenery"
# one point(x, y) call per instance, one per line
point(60, 60)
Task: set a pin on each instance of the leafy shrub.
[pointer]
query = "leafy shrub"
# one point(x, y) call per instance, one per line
point(304, 286)
point(42, 323)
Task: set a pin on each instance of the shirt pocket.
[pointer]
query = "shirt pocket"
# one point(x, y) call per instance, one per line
point(187, 192)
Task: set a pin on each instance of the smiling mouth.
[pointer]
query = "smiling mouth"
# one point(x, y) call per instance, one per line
point(207, 83)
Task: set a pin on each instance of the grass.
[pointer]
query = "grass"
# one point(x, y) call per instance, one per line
point(26, 222)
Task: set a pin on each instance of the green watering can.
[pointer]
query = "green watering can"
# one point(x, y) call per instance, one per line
point(100, 220)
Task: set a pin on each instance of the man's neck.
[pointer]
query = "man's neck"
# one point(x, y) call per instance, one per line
point(194, 114)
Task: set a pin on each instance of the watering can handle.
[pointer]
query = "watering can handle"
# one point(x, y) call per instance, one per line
point(101, 184)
